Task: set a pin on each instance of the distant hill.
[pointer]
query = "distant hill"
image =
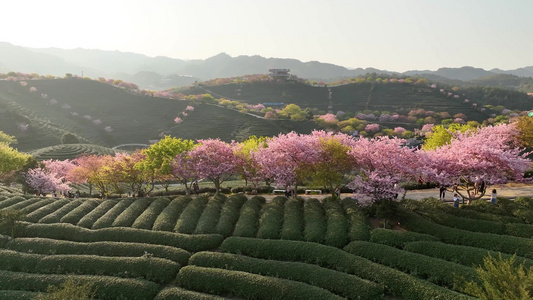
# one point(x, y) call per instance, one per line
point(160, 73)
point(40, 112)
point(100, 114)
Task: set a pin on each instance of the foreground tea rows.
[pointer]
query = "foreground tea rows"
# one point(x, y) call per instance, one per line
point(215, 247)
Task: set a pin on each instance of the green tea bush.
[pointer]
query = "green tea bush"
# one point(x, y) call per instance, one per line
point(464, 223)
point(107, 219)
point(22, 204)
point(3, 240)
point(166, 221)
point(188, 220)
point(56, 216)
point(51, 246)
point(464, 255)
point(358, 226)
point(435, 270)
point(18, 295)
point(229, 214)
point(271, 219)
point(247, 285)
point(397, 238)
point(463, 212)
point(208, 221)
point(337, 225)
point(11, 201)
point(69, 232)
point(293, 220)
point(315, 221)
point(151, 268)
point(32, 207)
point(107, 287)
point(521, 230)
point(395, 282)
point(249, 219)
point(37, 214)
point(130, 214)
point(74, 216)
point(502, 243)
point(346, 285)
point(147, 218)
point(89, 219)
point(176, 293)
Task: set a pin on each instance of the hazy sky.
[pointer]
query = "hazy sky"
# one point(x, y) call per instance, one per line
point(395, 35)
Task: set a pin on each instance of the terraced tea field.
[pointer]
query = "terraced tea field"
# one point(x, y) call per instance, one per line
point(238, 247)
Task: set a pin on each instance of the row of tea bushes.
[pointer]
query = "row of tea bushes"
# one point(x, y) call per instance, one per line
point(207, 223)
point(438, 271)
point(456, 253)
point(248, 221)
point(229, 214)
point(167, 219)
point(345, 285)
point(293, 220)
point(395, 282)
point(94, 215)
point(271, 219)
point(398, 239)
point(69, 232)
point(149, 215)
point(247, 285)
point(315, 221)
point(502, 243)
point(150, 268)
point(50, 246)
point(107, 287)
point(175, 293)
point(188, 219)
point(132, 212)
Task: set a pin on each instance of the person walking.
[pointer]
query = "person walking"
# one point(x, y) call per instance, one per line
point(442, 192)
point(493, 196)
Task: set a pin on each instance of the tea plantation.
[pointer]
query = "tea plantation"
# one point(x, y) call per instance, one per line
point(244, 247)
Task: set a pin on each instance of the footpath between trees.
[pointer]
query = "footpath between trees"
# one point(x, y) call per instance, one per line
point(510, 190)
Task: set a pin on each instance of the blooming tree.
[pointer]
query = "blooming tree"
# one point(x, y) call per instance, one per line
point(246, 163)
point(45, 181)
point(383, 163)
point(213, 159)
point(490, 155)
point(287, 158)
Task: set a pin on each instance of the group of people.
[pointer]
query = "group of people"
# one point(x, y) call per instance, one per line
point(493, 197)
point(478, 188)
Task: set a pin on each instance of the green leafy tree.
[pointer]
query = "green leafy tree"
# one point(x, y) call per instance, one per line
point(8, 139)
point(502, 279)
point(525, 125)
point(11, 160)
point(9, 219)
point(158, 157)
point(333, 163)
point(69, 138)
point(441, 135)
point(293, 112)
point(69, 290)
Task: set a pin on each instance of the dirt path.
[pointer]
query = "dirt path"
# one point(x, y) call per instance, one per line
point(511, 190)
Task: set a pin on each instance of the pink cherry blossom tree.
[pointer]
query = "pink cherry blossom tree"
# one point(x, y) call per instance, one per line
point(213, 159)
point(287, 158)
point(489, 155)
point(383, 163)
point(44, 181)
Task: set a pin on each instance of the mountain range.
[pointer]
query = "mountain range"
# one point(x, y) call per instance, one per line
point(160, 72)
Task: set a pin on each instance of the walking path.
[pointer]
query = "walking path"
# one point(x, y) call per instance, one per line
point(510, 190)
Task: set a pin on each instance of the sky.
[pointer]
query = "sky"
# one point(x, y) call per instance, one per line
point(389, 35)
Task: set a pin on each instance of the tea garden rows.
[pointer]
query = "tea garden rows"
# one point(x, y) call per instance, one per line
point(237, 246)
